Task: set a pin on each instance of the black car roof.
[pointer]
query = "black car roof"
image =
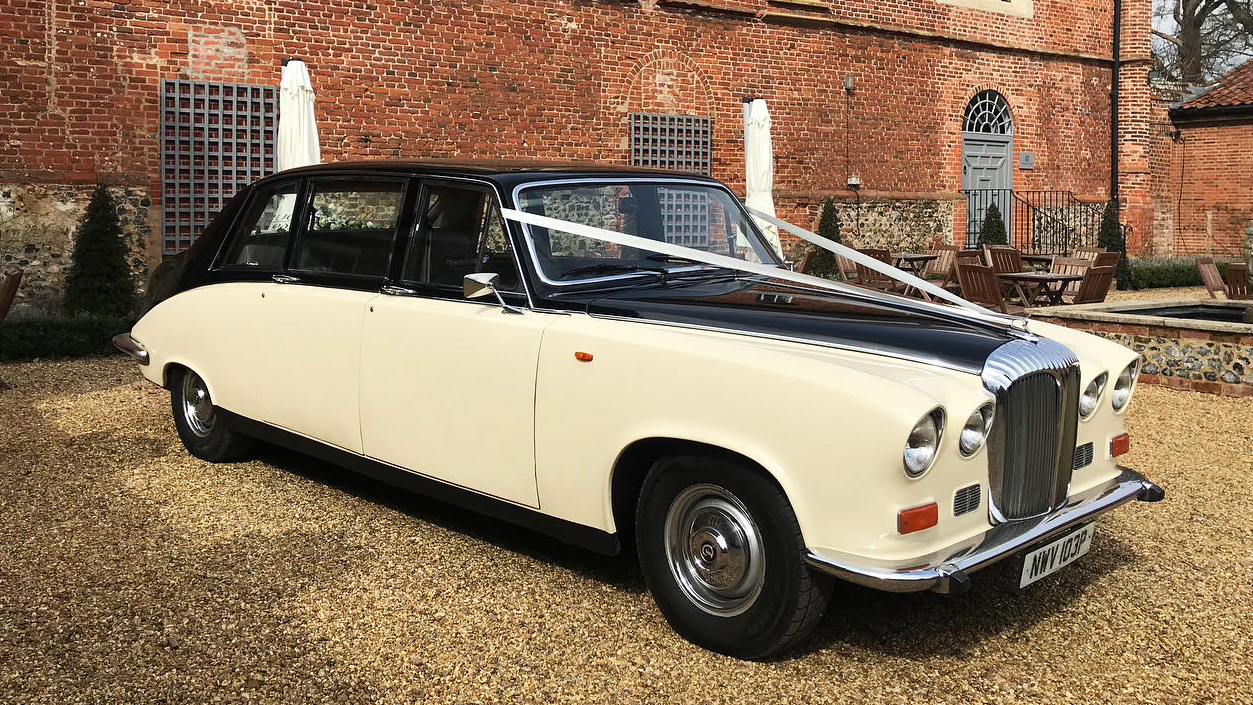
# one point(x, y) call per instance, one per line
point(505, 173)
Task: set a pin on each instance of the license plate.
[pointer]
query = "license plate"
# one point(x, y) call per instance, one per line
point(1051, 558)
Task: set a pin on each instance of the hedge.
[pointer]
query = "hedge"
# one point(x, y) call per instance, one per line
point(1162, 272)
point(60, 336)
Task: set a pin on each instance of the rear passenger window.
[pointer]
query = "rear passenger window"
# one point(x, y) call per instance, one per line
point(462, 233)
point(352, 224)
point(265, 229)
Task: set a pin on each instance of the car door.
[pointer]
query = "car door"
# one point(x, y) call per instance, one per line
point(448, 383)
point(314, 311)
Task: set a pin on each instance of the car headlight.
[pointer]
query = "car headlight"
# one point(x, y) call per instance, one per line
point(1092, 395)
point(923, 441)
point(975, 432)
point(1122, 386)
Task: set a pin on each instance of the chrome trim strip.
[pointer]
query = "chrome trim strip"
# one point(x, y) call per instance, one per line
point(923, 359)
point(132, 347)
point(948, 571)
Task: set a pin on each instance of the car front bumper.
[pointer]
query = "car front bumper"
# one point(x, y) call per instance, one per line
point(130, 346)
point(948, 571)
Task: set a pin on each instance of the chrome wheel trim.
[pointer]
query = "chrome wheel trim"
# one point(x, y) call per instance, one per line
point(714, 550)
point(198, 409)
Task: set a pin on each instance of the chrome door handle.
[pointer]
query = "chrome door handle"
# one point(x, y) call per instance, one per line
point(398, 290)
point(285, 279)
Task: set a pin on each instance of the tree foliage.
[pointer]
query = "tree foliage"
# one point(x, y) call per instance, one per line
point(992, 231)
point(99, 280)
point(823, 263)
point(1196, 41)
point(1110, 236)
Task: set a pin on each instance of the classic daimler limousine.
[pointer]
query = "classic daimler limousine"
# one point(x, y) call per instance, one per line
point(617, 357)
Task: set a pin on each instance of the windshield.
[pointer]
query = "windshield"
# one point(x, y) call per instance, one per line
point(691, 215)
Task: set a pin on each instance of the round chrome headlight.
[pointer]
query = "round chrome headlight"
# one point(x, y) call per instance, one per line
point(975, 432)
point(923, 441)
point(1092, 395)
point(1122, 386)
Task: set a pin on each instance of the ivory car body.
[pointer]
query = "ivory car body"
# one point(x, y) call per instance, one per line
point(753, 437)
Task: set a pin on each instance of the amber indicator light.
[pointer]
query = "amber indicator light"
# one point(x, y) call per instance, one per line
point(923, 516)
point(1119, 445)
point(583, 356)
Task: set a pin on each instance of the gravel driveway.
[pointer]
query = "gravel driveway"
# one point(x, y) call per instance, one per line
point(130, 572)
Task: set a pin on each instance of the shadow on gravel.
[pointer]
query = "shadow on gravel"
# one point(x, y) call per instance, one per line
point(621, 571)
point(925, 625)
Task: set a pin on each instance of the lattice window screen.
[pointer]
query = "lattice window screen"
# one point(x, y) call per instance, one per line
point(216, 138)
point(678, 142)
point(685, 217)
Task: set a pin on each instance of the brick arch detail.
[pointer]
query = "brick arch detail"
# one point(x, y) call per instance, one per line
point(664, 81)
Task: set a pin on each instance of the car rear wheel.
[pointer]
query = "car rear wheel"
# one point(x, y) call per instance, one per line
point(722, 554)
point(200, 425)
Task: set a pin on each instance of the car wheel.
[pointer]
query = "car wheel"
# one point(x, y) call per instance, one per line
point(202, 429)
point(722, 554)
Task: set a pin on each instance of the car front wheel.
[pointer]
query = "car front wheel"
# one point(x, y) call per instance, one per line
point(722, 554)
point(200, 425)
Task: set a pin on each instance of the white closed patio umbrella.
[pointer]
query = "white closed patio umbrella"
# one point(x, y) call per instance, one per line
point(297, 128)
point(759, 167)
point(297, 134)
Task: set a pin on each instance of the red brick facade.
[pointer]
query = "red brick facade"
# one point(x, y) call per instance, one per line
point(558, 80)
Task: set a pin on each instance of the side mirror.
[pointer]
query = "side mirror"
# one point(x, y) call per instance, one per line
point(480, 284)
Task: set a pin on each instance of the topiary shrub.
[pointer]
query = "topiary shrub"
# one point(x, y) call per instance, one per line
point(823, 263)
point(99, 280)
point(1110, 236)
point(992, 231)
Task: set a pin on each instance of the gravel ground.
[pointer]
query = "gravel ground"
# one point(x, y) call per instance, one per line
point(130, 572)
point(1176, 294)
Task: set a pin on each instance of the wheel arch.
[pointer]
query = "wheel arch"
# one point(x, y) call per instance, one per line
point(637, 458)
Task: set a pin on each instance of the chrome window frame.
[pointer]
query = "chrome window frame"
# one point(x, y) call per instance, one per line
point(608, 180)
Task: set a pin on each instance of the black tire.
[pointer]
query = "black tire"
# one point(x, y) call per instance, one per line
point(207, 437)
point(789, 598)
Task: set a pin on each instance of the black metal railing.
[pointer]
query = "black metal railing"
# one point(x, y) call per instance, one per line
point(1038, 222)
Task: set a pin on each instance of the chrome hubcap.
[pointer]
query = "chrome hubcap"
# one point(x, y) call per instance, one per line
point(197, 406)
point(714, 550)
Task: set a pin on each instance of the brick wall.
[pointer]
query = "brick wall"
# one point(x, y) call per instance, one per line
point(558, 79)
point(1202, 187)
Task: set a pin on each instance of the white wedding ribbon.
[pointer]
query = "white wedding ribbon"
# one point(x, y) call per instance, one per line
point(968, 310)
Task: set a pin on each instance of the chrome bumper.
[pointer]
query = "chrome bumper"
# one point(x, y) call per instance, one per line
point(130, 346)
point(949, 571)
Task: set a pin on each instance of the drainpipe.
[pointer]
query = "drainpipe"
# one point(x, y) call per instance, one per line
point(1113, 104)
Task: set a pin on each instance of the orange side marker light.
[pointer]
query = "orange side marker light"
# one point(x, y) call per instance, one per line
point(924, 516)
point(1119, 445)
point(583, 356)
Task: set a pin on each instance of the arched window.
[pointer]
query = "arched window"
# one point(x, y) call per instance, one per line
point(988, 113)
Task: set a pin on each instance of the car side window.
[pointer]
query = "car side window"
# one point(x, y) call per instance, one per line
point(351, 226)
point(260, 241)
point(461, 233)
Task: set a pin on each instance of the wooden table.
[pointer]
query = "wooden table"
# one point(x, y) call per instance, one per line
point(1046, 287)
point(913, 262)
point(1040, 263)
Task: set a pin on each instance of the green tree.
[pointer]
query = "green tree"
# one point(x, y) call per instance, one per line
point(992, 232)
point(823, 263)
point(99, 280)
point(1110, 236)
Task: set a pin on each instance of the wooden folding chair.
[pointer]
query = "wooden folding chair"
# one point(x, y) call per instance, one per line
point(979, 284)
point(1237, 281)
point(848, 270)
point(941, 266)
point(961, 256)
point(1106, 259)
point(1210, 277)
point(1004, 259)
point(1071, 265)
point(8, 292)
point(1087, 252)
point(807, 262)
point(870, 278)
point(1095, 285)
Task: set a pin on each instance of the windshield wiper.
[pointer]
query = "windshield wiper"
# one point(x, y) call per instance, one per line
point(606, 267)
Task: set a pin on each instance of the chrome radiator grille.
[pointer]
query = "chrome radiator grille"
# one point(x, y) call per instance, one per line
point(1032, 445)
